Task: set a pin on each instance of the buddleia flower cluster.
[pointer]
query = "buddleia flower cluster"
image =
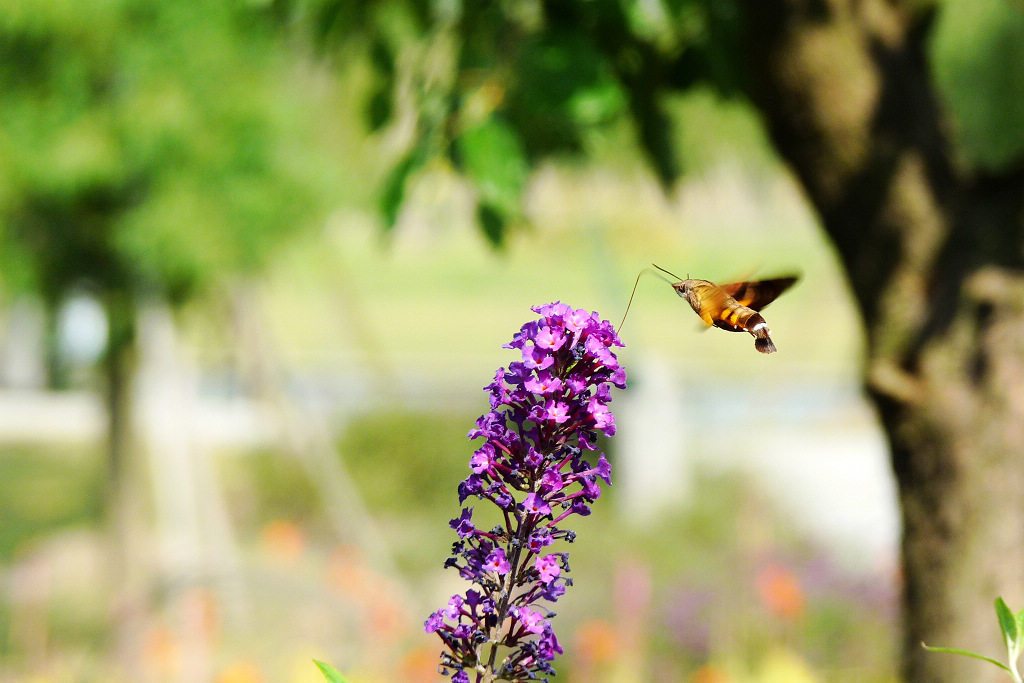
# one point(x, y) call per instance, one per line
point(537, 462)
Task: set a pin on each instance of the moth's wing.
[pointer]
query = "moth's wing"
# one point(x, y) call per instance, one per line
point(758, 293)
point(706, 318)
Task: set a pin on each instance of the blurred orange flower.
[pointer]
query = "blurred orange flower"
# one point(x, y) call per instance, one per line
point(709, 673)
point(596, 642)
point(283, 540)
point(161, 650)
point(387, 618)
point(419, 666)
point(780, 591)
point(241, 672)
point(200, 613)
point(346, 571)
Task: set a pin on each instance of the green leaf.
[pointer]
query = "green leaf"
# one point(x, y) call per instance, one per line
point(330, 673)
point(1015, 650)
point(956, 651)
point(379, 107)
point(381, 58)
point(492, 155)
point(1007, 623)
point(392, 195)
point(564, 84)
point(492, 223)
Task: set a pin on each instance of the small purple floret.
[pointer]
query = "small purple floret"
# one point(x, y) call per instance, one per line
point(556, 411)
point(548, 568)
point(535, 505)
point(434, 621)
point(497, 562)
point(531, 621)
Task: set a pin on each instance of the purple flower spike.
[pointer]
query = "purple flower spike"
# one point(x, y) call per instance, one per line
point(546, 411)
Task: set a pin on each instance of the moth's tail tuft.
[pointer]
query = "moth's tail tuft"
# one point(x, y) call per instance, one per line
point(762, 340)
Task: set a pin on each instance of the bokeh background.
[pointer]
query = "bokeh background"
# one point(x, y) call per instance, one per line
point(206, 250)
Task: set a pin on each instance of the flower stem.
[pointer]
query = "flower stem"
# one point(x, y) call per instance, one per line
point(505, 598)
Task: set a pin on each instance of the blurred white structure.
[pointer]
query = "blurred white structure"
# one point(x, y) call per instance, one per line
point(653, 438)
point(815, 449)
point(22, 365)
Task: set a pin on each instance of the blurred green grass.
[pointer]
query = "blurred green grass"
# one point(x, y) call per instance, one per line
point(45, 490)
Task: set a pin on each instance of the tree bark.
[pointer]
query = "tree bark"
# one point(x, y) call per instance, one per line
point(127, 510)
point(934, 258)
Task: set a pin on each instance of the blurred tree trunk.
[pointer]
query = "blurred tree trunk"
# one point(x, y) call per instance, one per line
point(56, 364)
point(127, 511)
point(934, 257)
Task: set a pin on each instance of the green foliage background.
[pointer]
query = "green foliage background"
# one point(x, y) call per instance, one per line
point(151, 147)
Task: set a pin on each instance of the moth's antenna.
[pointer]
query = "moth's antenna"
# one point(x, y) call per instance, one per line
point(665, 271)
point(645, 270)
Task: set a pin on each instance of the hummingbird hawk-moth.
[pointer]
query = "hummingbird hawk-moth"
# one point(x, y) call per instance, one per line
point(733, 307)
